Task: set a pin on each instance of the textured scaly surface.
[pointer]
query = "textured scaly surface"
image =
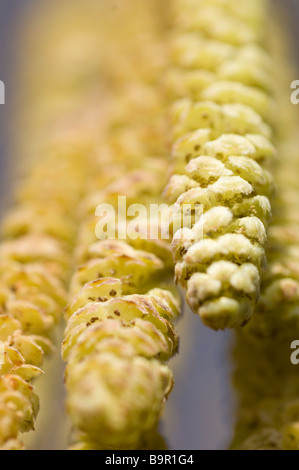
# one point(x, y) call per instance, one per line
point(39, 232)
point(222, 155)
point(120, 316)
point(265, 378)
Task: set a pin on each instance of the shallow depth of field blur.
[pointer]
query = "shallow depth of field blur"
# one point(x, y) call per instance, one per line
point(200, 410)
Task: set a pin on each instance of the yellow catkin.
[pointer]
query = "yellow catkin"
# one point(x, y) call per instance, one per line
point(267, 387)
point(38, 235)
point(34, 265)
point(222, 129)
point(99, 118)
point(277, 311)
point(121, 312)
point(120, 327)
point(268, 409)
point(70, 112)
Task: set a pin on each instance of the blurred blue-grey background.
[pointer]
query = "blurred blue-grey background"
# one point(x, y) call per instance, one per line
point(199, 411)
point(12, 13)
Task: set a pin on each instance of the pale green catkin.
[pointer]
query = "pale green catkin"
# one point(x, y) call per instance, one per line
point(39, 232)
point(117, 337)
point(120, 329)
point(268, 410)
point(35, 259)
point(266, 376)
point(222, 155)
